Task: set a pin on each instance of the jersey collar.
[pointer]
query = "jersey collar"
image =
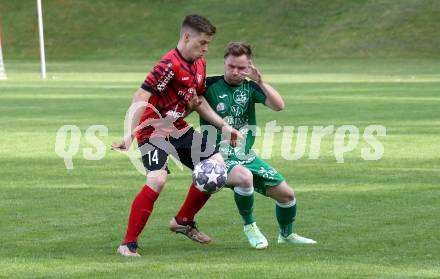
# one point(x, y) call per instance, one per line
point(183, 58)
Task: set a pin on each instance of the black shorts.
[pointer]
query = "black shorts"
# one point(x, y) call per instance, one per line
point(189, 149)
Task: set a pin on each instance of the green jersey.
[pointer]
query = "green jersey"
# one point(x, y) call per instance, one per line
point(236, 105)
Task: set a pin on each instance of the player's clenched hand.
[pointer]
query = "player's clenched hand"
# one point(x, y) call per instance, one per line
point(123, 145)
point(232, 134)
point(194, 102)
point(235, 136)
point(253, 73)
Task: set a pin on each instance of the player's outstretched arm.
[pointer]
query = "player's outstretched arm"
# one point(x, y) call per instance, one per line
point(138, 104)
point(273, 98)
point(208, 114)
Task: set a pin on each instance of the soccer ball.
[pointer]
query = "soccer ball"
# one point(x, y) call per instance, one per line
point(209, 176)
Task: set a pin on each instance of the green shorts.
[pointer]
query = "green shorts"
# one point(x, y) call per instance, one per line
point(264, 175)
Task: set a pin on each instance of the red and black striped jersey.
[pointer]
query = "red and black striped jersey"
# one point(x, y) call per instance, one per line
point(172, 82)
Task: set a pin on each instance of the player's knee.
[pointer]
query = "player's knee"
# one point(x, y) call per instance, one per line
point(240, 176)
point(290, 196)
point(245, 187)
point(287, 194)
point(160, 182)
point(157, 182)
point(246, 177)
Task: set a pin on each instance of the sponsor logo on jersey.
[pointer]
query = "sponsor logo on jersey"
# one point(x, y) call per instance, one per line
point(185, 78)
point(166, 78)
point(221, 107)
point(199, 78)
point(223, 96)
point(236, 111)
point(241, 97)
point(175, 114)
point(237, 123)
point(185, 94)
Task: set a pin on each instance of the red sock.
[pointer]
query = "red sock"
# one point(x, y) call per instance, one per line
point(194, 201)
point(141, 209)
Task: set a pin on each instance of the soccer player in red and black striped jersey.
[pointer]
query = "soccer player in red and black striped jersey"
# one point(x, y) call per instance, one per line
point(158, 107)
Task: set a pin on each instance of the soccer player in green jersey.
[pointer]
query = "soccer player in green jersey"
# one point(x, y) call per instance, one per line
point(233, 96)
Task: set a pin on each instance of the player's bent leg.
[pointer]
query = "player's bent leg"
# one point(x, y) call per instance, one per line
point(140, 212)
point(183, 222)
point(286, 214)
point(244, 199)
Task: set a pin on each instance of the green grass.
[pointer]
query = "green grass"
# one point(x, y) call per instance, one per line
point(372, 219)
point(122, 29)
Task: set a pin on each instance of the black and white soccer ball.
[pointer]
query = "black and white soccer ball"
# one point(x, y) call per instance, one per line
point(209, 176)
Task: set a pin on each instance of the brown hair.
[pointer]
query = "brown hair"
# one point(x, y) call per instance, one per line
point(199, 24)
point(238, 49)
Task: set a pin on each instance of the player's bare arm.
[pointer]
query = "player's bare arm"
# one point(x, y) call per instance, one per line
point(273, 98)
point(140, 98)
point(208, 114)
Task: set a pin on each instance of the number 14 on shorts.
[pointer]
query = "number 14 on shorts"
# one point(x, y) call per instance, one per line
point(153, 157)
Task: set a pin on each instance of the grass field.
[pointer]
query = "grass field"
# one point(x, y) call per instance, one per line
point(372, 219)
point(133, 29)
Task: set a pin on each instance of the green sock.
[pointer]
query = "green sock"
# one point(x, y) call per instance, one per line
point(245, 205)
point(286, 213)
